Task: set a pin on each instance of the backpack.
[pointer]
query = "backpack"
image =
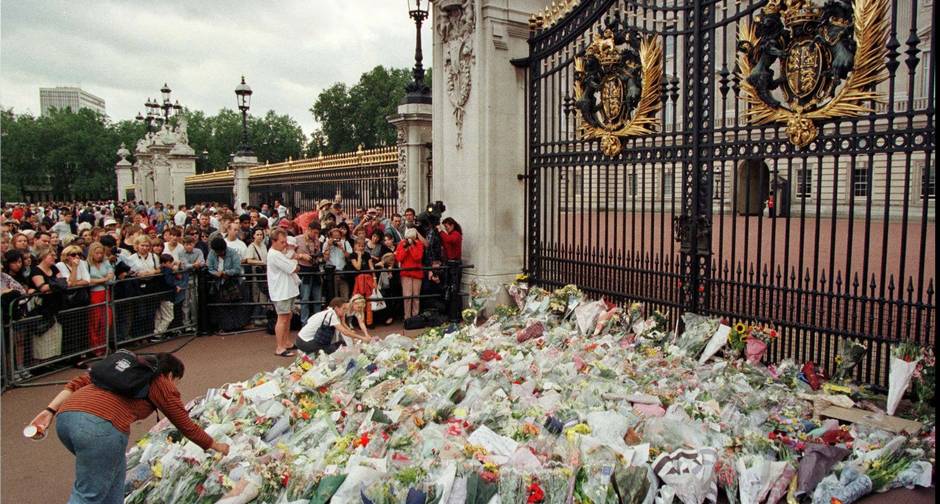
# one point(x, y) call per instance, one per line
point(125, 374)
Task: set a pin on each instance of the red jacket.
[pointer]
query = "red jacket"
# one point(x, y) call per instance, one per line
point(410, 258)
point(452, 243)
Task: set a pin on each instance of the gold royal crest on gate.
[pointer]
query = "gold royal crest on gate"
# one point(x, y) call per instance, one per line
point(830, 57)
point(617, 86)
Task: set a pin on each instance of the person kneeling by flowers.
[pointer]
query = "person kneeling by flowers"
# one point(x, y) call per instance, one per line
point(325, 330)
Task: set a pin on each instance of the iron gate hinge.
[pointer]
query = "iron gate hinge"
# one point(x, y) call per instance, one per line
point(523, 176)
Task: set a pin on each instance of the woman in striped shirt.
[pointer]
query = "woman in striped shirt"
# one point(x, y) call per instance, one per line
point(94, 424)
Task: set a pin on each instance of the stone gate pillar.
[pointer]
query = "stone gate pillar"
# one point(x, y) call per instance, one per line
point(241, 165)
point(182, 159)
point(479, 127)
point(123, 172)
point(413, 122)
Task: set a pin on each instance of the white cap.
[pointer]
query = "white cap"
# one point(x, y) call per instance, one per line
point(109, 222)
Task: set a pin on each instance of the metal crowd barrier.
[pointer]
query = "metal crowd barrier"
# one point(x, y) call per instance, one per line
point(254, 282)
point(40, 342)
point(43, 344)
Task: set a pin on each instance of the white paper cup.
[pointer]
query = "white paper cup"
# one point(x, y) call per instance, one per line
point(35, 433)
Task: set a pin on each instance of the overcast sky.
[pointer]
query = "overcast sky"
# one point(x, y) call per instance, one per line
point(123, 51)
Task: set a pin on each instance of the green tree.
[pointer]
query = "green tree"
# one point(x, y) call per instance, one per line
point(316, 145)
point(276, 137)
point(357, 115)
point(78, 153)
point(21, 148)
point(199, 131)
point(75, 152)
point(333, 110)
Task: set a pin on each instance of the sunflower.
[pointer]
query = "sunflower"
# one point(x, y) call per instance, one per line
point(740, 327)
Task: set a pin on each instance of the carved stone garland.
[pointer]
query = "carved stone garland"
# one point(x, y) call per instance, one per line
point(455, 27)
point(402, 171)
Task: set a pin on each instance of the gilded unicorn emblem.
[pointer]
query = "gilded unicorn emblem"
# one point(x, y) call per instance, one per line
point(617, 86)
point(831, 58)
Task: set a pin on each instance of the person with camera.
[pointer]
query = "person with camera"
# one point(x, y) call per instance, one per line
point(409, 254)
point(94, 424)
point(451, 239)
point(370, 223)
point(309, 255)
point(337, 251)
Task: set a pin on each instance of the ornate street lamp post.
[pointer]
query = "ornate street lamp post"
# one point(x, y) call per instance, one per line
point(158, 113)
point(418, 91)
point(243, 97)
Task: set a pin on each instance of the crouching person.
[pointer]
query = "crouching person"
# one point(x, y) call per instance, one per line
point(325, 330)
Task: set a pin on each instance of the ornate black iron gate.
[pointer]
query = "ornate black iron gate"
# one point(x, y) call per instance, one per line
point(769, 162)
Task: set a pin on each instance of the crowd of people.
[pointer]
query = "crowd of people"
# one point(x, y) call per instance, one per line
point(60, 256)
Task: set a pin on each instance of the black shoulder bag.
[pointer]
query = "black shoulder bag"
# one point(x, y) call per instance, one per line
point(125, 374)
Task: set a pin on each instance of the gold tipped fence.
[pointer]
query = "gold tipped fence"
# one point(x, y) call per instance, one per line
point(363, 175)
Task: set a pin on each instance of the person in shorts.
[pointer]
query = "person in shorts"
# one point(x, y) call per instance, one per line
point(283, 289)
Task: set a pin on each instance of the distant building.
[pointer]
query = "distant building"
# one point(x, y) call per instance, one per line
point(74, 98)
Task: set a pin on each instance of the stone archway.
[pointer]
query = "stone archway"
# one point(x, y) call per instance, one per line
point(751, 186)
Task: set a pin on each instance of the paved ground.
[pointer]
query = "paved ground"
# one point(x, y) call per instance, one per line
point(41, 472)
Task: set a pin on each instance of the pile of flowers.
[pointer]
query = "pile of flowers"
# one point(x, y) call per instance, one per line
point(558, 399)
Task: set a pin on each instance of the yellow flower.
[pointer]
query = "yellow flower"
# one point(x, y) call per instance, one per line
point(306, 365)
point(572, 432)
point(158, 470)
point(740, 327)
point(838, 359)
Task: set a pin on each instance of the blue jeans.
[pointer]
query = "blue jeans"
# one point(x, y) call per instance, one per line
point(100, 463)
point(310, 290)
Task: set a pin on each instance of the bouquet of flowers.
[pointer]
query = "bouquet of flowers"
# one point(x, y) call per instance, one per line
point(727, 478)
point(479, 295)
point(925, 377)
point(737, 341)
point(904, 360)
point(885, 469)
point(849, 357)
point(698, 331)
point(469, 315)
point(465, 412)
point(564, 300)
point(758, 337)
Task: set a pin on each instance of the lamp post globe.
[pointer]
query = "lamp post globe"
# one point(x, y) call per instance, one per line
point(243, 99)
point(165, 92)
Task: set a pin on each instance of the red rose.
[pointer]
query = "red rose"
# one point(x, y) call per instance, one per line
point(536, 494)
